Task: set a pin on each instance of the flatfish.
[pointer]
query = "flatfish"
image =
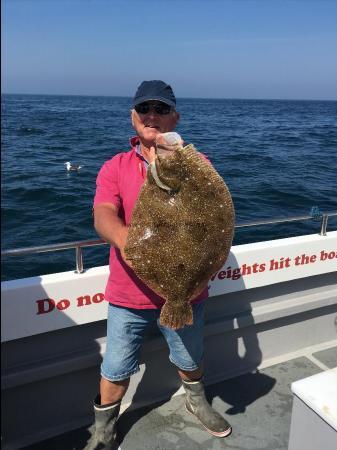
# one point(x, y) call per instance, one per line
point(181, 228)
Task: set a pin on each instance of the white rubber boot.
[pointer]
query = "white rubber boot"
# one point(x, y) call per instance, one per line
point(197, 405)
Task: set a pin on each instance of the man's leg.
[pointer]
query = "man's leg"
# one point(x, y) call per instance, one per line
point(186, 352)
point(125, 330)
point(106, 409)
point(191, 375)
point(113, 391)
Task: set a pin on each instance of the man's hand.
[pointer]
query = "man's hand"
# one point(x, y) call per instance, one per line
point(111, 228)
point(123, 237)
point(122, 249)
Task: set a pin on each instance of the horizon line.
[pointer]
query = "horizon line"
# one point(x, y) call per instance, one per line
point(183, 98)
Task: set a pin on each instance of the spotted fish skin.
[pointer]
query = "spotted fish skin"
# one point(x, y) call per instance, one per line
point(180, 236)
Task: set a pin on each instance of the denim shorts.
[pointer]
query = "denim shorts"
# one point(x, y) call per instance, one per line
point(126, 328)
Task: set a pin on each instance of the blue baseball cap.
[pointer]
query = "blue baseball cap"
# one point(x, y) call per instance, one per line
point(154, 90)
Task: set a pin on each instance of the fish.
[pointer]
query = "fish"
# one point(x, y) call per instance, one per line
point(181, 229)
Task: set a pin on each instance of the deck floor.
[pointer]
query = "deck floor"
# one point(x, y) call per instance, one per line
point(258, 406)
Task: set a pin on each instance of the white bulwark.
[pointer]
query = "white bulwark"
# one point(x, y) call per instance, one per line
point(37, 305)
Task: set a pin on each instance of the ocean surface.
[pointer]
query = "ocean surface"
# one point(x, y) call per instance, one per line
point(278, 158)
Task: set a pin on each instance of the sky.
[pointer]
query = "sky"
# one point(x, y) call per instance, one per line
point(281, 49)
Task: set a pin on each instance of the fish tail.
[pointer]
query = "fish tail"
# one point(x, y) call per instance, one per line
point(176, 316)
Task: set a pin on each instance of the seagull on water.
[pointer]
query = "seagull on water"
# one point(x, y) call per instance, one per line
point(72, 167)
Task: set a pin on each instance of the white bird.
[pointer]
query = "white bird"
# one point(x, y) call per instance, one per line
point(72, 167)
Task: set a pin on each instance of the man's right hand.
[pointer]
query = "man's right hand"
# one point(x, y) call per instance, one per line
point(123, 245)
point(111, 228)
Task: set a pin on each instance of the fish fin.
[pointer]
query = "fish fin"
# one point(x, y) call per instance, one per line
point(176, 316)
point(194, 157)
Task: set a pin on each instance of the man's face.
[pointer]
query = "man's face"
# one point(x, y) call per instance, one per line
point(148, 122)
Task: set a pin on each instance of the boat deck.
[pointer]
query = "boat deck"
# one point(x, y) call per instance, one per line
point(258, 405)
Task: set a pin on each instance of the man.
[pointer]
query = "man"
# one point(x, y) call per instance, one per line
point(132, 305)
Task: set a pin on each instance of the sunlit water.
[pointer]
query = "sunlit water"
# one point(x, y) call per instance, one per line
point(278, 158)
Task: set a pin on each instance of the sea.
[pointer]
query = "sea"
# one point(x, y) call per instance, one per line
point(278, 158)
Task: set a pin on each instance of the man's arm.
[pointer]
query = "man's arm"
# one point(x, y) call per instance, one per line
point(109, 226)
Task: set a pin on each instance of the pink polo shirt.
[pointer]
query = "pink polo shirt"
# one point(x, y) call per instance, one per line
point(119, 182)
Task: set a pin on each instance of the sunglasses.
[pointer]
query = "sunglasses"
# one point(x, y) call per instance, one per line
point(160, 108)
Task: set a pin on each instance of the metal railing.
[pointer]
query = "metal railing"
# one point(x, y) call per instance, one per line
point(78, 245)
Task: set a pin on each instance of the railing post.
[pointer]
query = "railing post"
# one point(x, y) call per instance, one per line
point(324, 224)
point(79, 260)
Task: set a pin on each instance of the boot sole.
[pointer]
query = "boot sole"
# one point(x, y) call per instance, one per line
point(214, 433)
